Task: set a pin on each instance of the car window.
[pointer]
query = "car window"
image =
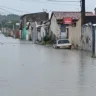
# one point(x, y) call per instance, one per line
point(63, 41)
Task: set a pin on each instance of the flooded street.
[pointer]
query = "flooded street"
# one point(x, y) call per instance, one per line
point(33, 70)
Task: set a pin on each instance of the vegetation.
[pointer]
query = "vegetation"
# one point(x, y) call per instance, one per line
point(46, 40)
point(6, 34)
point(42, 43)
point(9, 20)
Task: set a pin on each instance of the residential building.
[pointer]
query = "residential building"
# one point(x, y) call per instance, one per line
point(77, 32)
point(87, 31)
point(44, 29)
point(61, 21)
point(34, 19)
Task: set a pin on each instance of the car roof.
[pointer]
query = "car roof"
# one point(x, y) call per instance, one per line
point(62, 39)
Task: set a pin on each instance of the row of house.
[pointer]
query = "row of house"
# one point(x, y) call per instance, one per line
point(31, 25)
point(11, 32)
point(60, 25)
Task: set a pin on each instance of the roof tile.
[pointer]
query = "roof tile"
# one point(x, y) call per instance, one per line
point(73, 15)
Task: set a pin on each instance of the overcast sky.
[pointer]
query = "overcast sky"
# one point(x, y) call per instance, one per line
point(37, 6)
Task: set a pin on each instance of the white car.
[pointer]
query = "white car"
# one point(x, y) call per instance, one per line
point(62, 43)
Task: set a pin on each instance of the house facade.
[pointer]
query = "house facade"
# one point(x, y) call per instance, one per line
point(75, 34)
point(81, 36)
point(70, 30)
point(44, 30)
point(61, 21)
point(34, 19)
point(86, 37)
point(54, 26)
point(87, 31)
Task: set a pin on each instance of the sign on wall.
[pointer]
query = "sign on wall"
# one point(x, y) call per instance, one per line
point(67, 20)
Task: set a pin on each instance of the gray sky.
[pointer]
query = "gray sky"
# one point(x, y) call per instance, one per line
point(33, 6)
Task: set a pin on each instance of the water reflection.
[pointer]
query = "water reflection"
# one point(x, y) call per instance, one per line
point(33, 70)
point(81, 78)
point(86, 75)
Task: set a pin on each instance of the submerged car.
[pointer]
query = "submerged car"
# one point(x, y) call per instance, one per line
point(62, 43)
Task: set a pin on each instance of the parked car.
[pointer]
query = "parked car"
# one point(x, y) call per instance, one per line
point(62, 43)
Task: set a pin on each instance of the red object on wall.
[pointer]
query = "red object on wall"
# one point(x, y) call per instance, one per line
point(67, 20)
point(17, 35)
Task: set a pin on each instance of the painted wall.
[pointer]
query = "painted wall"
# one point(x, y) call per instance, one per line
point(57, 28)
point(54, 27)
point(34, 32)
point(43, 33)
point(20, 33)
point(87, 38)
point(75, 35)
point(81, 39)
point(23, 32)
point(39, 36)
point(28, 33)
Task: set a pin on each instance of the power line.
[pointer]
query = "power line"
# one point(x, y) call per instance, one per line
point(62, 1)
point(52, 2)
point(6, 11)
point(13, 9)
point(1, 12)
point(48, 1)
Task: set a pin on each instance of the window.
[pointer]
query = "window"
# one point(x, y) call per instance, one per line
point(67, 33)
point(63, 41)
point(63, 28)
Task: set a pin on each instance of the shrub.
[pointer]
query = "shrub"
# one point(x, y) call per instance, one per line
point(49, 42)
point(42, 43)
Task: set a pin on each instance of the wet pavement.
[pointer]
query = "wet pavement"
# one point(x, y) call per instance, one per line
point(33, 70)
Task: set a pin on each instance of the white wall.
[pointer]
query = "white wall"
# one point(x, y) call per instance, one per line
point(43, 33)
point(54, 27)
point(34, 32)
point(75, 34)
point(87, 38)
point(39, 36)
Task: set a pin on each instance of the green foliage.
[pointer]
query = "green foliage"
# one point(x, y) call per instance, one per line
point(13, 17)
point(6, 34)
point(49, 42)
point(10, 25)
point(42, 43)
point(46, 38)
point(9, 20)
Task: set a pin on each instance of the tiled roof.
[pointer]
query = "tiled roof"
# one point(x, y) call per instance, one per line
point(73, 15)
point(40, 16)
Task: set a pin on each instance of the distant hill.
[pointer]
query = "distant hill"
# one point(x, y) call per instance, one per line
point(13, 17)
point(9, 20)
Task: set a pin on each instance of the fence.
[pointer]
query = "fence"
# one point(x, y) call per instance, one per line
point(88, 37)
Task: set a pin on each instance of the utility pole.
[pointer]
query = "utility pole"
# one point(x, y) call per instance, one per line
point(93, 41)
point(82, 11)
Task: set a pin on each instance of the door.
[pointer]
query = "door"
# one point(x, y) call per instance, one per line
point(62, 31)
point(67, 33)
